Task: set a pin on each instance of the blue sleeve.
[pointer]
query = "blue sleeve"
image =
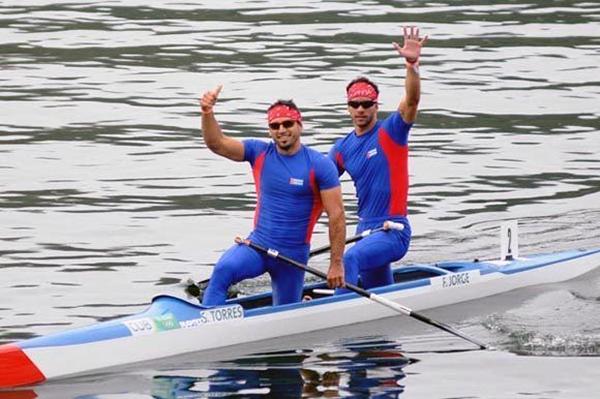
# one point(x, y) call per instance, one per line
point(397, 128)
point(336, 157)
point(252, 148)
point(326, 173)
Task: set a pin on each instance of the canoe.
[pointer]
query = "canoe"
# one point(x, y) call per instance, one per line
point(173, 326)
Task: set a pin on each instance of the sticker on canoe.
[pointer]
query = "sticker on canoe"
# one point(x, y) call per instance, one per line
point(456, 279)
point(151, 325)
point(218, 315)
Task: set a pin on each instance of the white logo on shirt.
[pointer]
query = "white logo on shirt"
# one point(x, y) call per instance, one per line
point(296, 182)
point(371, 153)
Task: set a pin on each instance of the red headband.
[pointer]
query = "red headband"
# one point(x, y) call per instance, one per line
point(283, 111)
point(362, 89)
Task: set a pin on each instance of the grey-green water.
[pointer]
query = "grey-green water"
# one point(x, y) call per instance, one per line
point(109, 196)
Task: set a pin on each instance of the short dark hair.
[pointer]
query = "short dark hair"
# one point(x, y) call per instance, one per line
point(365, 80)
point(287, 103)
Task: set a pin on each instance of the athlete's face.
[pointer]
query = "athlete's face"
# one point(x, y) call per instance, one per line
point(285, 133)
point(363, 112)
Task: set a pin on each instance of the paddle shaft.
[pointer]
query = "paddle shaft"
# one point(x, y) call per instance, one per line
point(388, 225)
point(362, 292)
point(350, 240)
point(196, 289)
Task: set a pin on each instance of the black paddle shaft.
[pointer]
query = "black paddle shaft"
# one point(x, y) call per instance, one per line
point(387, 226)
point(196, 290)
point(350, 240)
point(377, 298)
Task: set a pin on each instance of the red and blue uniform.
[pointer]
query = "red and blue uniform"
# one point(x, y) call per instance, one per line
point(377, 161)
point(288, 206)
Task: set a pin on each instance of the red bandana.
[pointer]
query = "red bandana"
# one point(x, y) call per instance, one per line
point(362, 89)
point(283, 111)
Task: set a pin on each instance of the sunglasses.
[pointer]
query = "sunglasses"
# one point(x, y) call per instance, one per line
point(286, 124)
point(365, 104)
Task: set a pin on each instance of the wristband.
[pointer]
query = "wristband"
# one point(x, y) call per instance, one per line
point(413, 65)
point(411, 62)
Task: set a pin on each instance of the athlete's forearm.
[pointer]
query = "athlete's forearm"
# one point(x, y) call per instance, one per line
point(217, 141)
point(413, 85)
point(211, 132)
point(213, 136)
point(337, 235)
point(411, 51)
point(410, 102)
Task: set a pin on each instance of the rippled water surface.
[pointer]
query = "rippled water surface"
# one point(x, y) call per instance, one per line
point(108, 195)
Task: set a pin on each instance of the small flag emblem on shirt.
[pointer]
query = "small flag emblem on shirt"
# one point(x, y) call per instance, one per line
point(372, 153)
point(296, 182)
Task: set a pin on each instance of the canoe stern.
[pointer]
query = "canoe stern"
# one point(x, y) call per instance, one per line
point(16, 368)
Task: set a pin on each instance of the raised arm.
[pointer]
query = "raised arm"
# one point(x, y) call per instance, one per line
point(334, 207)
point(411, 51)
point(214, 138)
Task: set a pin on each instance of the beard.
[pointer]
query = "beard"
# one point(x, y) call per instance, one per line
point(286, 143)
point(364, 121)
point(285, 147)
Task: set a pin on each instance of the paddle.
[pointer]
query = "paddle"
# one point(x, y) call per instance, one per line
point(195, 289)
point(388, 225)
point(374, 297)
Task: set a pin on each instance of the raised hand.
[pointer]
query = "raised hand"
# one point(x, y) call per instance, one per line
point(209, 99)
point(412, 44)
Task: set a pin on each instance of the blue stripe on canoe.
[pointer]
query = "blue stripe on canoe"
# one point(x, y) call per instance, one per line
point(161, 305)
point(335, 298)
point(83, 335)
point(183, 310)
point(537, 261)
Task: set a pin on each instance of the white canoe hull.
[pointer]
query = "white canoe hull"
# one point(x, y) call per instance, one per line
point(178, 327)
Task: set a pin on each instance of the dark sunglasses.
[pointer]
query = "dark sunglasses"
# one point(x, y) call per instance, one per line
point(365, 104)
point(286, 124)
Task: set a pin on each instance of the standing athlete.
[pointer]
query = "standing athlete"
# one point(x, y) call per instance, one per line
point(375, 154)
point(293, 185)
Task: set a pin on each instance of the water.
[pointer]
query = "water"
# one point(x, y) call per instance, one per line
point(108, 196)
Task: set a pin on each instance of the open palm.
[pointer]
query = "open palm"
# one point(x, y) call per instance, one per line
point(412, 44)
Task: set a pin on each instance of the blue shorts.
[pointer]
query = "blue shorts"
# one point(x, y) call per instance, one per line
point(241, 262)
point(370, 257)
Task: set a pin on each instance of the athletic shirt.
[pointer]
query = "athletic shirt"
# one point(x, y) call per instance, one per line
point(377, 161)
point(288, 192)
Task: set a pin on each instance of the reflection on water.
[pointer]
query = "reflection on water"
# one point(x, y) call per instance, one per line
point(359, 369)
